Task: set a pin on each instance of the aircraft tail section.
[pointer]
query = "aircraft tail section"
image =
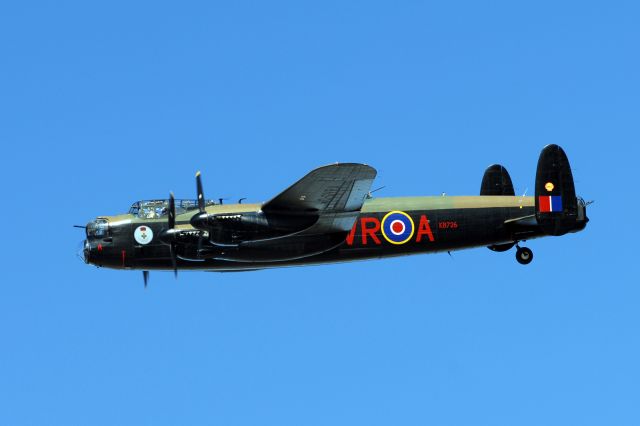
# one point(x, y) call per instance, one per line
point(557, 208)
point(496, 181)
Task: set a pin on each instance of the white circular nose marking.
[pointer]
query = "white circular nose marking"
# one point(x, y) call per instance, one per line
point(143, 235)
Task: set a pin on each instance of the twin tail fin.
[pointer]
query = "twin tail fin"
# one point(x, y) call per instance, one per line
point(555, 195)
point(496, 181)
point(557, 208)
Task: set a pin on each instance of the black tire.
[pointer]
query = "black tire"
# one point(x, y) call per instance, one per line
point(524, 255)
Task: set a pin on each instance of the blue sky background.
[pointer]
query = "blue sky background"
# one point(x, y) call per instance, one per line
point(105, 103)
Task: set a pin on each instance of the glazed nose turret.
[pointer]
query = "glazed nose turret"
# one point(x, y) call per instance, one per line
point(86, 251)
point(91, 251)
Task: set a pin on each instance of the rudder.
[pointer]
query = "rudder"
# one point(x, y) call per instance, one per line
point(555, 195)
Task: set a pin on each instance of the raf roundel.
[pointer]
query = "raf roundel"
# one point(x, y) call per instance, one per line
point(143, 235)
point(397, 227)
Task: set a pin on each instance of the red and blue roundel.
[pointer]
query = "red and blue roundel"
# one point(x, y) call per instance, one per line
point(397, 227)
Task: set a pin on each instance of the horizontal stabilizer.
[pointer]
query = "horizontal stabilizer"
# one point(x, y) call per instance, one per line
point(496, 181)
point(555, 196)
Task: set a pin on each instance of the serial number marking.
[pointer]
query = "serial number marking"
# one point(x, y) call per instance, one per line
point(448, 224)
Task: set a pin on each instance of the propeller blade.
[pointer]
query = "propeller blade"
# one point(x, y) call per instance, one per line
point(200, 219)
point(174, 259)
point(172, 211)
point(200, 237)
point(145, 277)
point(169, 235)
point(201, 202)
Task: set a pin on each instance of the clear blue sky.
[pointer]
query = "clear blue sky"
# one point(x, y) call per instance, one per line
point(105, 103)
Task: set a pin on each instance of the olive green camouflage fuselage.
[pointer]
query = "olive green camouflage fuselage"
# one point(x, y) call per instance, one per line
point(440, 223)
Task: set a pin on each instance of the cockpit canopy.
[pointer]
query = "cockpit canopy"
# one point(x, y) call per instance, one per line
point(156, 209)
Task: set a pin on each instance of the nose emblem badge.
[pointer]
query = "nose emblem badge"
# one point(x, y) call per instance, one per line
point(143, 235)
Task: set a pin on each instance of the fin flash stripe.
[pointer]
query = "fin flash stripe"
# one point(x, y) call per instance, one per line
point(550, 203)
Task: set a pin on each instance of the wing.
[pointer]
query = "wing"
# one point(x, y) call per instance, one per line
point(325, 204)
point(333, 188)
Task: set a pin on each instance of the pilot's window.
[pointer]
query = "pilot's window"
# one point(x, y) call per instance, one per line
point(156, 209)
point(135, 208)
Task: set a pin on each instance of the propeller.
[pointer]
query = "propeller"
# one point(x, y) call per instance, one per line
point(169, 234)
point(201, 200)
point(171, 218)
point(172, 223)
point(200, 219)
point(145, 277)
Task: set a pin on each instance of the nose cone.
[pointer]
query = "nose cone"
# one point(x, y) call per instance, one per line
point(93, 253)
point(86, 251)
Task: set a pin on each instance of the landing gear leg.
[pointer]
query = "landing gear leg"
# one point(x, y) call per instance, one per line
point(524, 255)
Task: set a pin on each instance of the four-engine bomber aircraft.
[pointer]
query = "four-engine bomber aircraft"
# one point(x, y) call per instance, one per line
point(330, 216)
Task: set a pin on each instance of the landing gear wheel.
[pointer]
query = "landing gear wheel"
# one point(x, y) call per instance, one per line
point(524, 255)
